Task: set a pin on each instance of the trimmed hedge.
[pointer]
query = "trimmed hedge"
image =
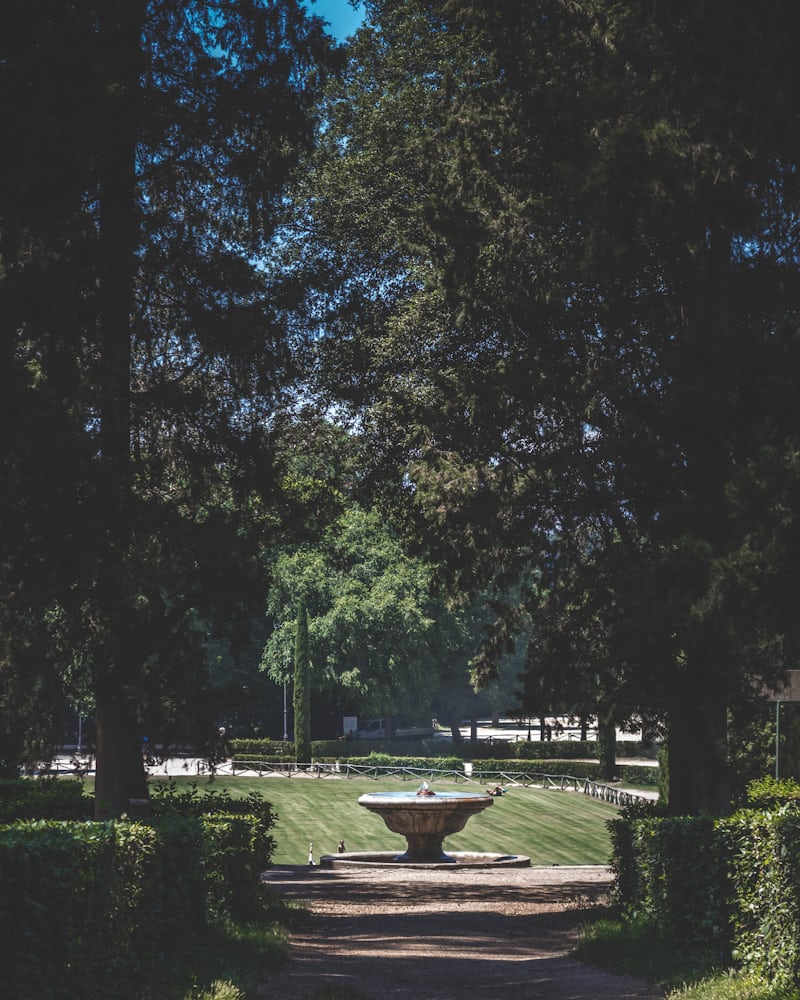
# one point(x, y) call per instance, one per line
point(236, 850)
point(100, 910)
point(519, 749)
point(374, 760)
point(724, 890)
point(86, 906)
point(766, 877)
point(637, 774)
point(279, 748)
point(492, 769)
point(347, 749)
point(680, 880)
point(43, 798)
point(378, 759)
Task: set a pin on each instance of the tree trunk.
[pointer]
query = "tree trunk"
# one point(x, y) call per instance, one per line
point(697, 753)
point(120, 777)
point(120, 773)
point(607, 745)
point(697, 715)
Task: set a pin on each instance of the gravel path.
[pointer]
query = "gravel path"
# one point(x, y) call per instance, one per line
point(445, 935)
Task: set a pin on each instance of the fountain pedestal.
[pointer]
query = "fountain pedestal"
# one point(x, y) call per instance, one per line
point(425, 818)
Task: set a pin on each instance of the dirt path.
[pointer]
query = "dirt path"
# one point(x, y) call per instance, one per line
point(448, 935)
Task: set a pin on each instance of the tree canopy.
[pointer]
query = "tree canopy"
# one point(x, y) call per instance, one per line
point(544, 260)
point(378, 636)
point(144, 342)
point(558, 251)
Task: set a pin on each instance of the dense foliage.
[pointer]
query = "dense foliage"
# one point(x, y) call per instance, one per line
point(555, 250)
point(719, 891)
point(144, 351)
point(543, 264)
point(161, 886)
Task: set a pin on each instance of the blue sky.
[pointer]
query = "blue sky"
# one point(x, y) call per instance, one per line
point(342, 18)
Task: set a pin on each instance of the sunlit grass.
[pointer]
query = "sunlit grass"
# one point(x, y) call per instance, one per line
point(551, 827)
point(734, 986)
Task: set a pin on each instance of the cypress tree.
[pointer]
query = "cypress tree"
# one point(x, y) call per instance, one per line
point(302, 689)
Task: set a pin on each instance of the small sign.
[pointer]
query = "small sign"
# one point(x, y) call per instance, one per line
point(790, 691)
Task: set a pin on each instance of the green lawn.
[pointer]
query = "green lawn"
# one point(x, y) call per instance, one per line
point(551, 827)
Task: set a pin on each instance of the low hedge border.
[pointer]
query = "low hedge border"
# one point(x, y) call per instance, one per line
point(43, 798)
point(86, 906)
point(725, 890)
point(521, 749)
point(494, 769)
point(89, 908)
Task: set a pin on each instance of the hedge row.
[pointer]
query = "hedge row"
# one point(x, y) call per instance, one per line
point(727, 890)
point(635, 774)
point(494, 769)
point(374, 760)
point(44, 798)
point(85, 906)
point(521, 750)
point(90, 909)
point(631, 775)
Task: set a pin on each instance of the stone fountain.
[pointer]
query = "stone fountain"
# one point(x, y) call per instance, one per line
point(425, 818)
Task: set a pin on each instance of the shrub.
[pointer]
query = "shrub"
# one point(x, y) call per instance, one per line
point(236, 851)
point(247, 748)
point(635, 774)
point(89, 908)
point(766, 863)
point(166, 798)
point(43, 798)
point(769, 793)
point(86, 906)
point(584, 770)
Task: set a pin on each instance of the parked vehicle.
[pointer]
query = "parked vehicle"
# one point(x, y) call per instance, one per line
point(375, 729)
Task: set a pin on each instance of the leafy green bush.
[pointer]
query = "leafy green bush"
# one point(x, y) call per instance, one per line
point(236, 851)
point(166, 797)
point(246, 748)
point(378, 759)
point(237, 842)
point(627, 890)
point(87, 906)
point(491, 769)
point(769, 793)
point(716, 889)
point(635, 774)
point(43, 798)
point(686, 888)
point(766, 863)
point(549, 750)
point(241, 760)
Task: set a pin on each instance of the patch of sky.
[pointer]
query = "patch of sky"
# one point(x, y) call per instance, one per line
point(344, 17)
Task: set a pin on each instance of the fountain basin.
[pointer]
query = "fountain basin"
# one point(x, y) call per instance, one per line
point(425, 818)
point(454, 861)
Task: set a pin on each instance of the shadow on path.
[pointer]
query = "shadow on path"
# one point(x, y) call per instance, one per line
point(445, 935)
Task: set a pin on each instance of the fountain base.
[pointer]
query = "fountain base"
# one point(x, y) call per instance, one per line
point(454, 861)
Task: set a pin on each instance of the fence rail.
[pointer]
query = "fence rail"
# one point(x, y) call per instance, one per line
point(523, 779)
